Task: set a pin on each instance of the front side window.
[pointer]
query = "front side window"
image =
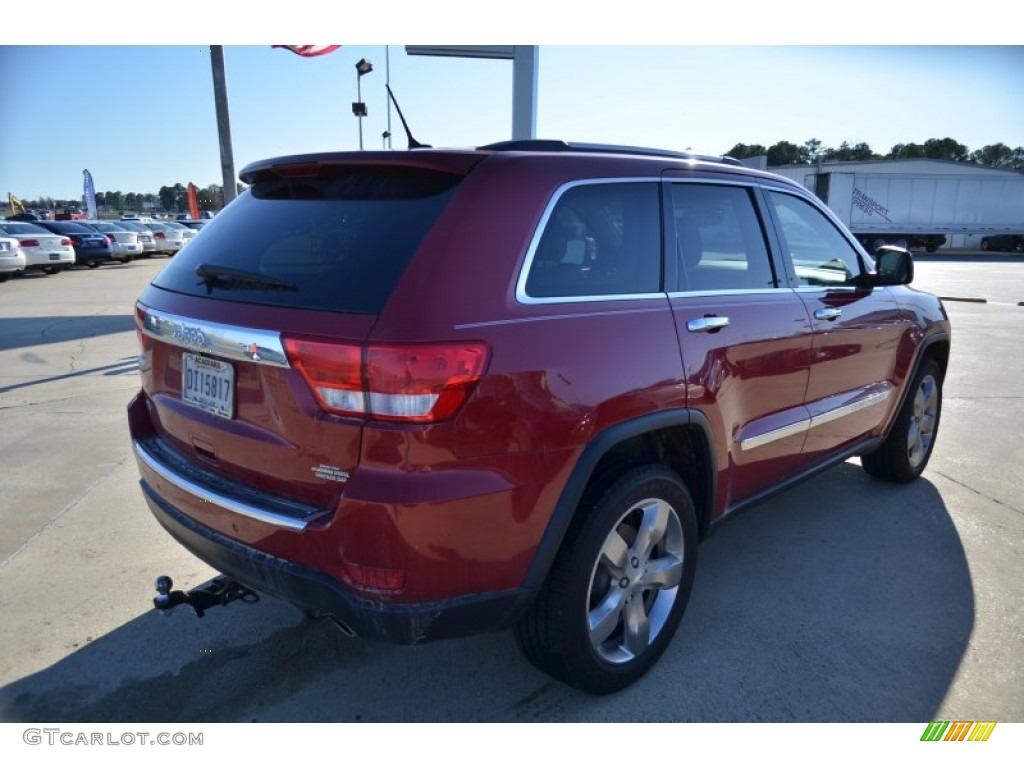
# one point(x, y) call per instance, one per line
point(601, 239)
point(720, 245)
point(818, 251)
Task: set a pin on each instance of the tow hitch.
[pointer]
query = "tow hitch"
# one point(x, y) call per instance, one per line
point(217, 591)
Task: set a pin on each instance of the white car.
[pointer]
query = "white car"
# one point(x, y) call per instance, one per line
point(147, 237)
point(12, 260)
point(42, 248)
point(125, 242)
point(168, 239)
point(187, 232)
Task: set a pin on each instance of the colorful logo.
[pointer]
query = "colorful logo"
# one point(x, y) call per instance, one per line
point(960, 730)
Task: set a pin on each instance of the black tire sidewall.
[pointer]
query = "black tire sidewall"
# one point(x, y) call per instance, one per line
point(583, 667)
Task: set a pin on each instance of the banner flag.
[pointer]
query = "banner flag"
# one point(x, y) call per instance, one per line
point(192, 196)
point(309, 50)
point(88, 195)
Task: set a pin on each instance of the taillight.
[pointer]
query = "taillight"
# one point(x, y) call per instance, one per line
point(416, 383)
point(65, 241)
point(158, 235)
point(30, 243)
point(110, 239)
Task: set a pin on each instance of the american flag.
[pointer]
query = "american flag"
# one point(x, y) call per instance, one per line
point(309, 50)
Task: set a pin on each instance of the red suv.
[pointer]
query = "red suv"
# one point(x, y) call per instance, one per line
point(435, 393)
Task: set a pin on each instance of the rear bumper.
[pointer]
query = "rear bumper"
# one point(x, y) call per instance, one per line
point(402, 624)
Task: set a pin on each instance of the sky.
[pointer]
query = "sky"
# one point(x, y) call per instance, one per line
point(142, 116)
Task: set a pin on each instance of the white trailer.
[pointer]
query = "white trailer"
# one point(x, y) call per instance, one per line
point(920, 210)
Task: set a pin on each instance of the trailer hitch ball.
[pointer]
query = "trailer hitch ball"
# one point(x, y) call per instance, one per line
point(163, 600)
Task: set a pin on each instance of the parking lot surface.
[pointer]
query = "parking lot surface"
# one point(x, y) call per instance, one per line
point(843, 600)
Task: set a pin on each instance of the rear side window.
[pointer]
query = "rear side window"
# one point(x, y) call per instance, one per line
point(719, 241)
point(601, 239)
point(338, 241)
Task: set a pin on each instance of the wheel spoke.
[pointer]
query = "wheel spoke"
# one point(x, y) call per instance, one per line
point(614, 554)
point(637, 635)
point(663, 573)
point(652, 529)
point(604, 618)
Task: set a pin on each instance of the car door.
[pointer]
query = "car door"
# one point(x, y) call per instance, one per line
point(856, 328)
point(744, 335)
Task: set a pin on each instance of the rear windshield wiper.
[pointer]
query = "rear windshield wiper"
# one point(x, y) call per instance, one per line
point(226, 276)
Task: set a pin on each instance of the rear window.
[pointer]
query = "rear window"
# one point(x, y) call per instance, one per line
point(338, 241)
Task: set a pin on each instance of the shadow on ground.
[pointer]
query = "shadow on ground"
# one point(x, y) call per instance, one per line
point(18, 332)
point(844, 600)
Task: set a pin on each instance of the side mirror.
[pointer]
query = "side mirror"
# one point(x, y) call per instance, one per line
point(894, 266)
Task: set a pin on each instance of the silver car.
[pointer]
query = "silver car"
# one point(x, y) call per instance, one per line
point(125, 242)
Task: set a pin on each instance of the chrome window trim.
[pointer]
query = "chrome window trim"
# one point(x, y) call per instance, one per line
point(522, 297)
point(238, 507)
point(233, 342)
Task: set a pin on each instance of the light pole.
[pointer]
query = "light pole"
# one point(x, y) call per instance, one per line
point(363, 67)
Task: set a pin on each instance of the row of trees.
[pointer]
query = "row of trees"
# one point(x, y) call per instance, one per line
point(811, 151)
point(170, 199)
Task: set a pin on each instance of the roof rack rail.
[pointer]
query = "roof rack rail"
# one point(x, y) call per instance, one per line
point(557, 145)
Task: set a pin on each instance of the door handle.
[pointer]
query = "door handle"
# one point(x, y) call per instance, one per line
point(707, 324)
point(827, 313)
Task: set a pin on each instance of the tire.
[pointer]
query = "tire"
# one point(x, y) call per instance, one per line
point(619, 586)
point(985, 244)
point(93, 264)
point(901, 242)
point(4, 277)
point(876, 244)
point(905, 452)
point(932, 248)
point(51, 270)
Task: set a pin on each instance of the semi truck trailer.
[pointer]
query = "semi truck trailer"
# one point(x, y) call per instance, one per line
point(919, 210)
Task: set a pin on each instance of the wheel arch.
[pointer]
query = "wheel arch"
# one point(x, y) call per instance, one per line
point(678, 439)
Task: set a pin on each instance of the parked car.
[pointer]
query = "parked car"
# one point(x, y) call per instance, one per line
point(435, 393)
point(91, 247)
point(196, 224)
point(168, 239)
point(43, 250)
point(1002, 243)
point(12, 260)
point(147, 238)
point(124, 242)
point(187, 232)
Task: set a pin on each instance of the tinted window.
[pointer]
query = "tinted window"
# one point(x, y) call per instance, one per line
point(600, 240)
point(719, 241)
point(339, 240)
point(819, 253)
point(17, 228)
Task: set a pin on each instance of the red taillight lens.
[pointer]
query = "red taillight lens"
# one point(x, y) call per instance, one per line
point(158, 235)
point(110, 239)
point(333, 371)
point(30, 243)
point(422, 382)
point(373, 579)
point(145, 342)
point(65, 241)
point(416, 383)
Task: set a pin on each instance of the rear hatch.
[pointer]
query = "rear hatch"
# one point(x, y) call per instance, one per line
point(254, 336)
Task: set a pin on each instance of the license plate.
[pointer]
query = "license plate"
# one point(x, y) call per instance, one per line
point(54, 257)
point(208, 384)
